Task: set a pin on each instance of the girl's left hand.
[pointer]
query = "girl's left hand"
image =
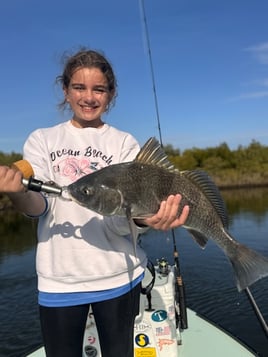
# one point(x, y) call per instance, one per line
point(167, 216)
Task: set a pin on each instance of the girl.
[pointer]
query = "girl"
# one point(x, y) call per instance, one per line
point(84, 258)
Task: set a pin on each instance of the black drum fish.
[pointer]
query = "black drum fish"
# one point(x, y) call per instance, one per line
point(135, 189)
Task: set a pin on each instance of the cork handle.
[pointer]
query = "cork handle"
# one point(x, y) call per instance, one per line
point(23, 166)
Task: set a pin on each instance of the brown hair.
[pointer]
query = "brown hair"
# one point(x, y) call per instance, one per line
point(87, 58)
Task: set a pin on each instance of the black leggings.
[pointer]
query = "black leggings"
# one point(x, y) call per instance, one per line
point(63, 327)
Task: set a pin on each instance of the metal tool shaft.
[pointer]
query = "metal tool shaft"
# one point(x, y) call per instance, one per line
point(39, 186)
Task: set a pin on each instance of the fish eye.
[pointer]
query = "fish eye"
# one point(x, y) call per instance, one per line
point(87, 191)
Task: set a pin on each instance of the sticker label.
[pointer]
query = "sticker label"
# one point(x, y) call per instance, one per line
point(142, 326)
point(163, 331)
point(162, 342)
point(91, 351)
point(142, 340)
point(159, 315)
point(145, 352)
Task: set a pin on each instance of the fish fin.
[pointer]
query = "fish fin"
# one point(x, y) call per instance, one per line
point(134, 235)
point(198, 237)
point(210, 190)
point(249, 266)
point(133, 230)
point(153, 154)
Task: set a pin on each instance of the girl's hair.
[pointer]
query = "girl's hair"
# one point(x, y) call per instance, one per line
point(89, 59)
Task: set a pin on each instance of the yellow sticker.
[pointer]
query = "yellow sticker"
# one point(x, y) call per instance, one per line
point(145, 352)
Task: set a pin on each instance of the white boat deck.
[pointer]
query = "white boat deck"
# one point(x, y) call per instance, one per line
point(201, 339)
point(157, 328)
point(206, 340)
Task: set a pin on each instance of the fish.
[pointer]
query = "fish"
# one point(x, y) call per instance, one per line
point(136, 188)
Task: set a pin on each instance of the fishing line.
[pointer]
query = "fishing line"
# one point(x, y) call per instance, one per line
point(179, 286)
point(148, 45)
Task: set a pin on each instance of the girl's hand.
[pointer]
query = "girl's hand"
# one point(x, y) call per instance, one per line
point(167, 216)
point(10, 180)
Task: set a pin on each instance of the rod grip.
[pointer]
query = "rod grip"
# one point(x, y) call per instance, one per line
point(24, 166)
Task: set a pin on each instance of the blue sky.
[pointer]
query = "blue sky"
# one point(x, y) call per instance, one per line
point(210, 62)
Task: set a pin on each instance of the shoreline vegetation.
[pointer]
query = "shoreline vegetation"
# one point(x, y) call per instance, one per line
point(244, 167)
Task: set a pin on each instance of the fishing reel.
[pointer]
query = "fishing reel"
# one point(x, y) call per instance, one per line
point(163, 266)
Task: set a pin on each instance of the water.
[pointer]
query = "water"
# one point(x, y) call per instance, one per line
point(207, 275)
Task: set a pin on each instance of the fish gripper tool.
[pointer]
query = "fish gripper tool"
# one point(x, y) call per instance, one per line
point(50, 187)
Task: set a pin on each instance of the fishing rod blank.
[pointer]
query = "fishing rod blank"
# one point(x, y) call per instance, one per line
point(179, 285)
point(257, 311)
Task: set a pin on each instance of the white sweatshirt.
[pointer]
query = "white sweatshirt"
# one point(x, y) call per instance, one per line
point(79, 250)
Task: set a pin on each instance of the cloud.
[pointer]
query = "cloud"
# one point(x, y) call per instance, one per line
point(260, 52)
point(251, 95)
point(261, 82)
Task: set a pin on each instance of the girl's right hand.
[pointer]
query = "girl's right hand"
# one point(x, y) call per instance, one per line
point(10, 180)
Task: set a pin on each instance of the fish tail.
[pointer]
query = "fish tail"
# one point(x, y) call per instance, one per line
point(249, 266)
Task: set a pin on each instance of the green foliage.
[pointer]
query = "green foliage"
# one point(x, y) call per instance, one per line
point(245, 166)
point(8, 159)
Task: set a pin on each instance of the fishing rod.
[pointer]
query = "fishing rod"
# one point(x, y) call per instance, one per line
point(180, 289)
point(179, 286)
point(257, 311)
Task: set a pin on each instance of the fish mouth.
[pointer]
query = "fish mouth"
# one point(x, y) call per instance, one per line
point(66, 195)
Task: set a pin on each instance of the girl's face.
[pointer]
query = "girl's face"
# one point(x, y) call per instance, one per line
point(88, 97)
